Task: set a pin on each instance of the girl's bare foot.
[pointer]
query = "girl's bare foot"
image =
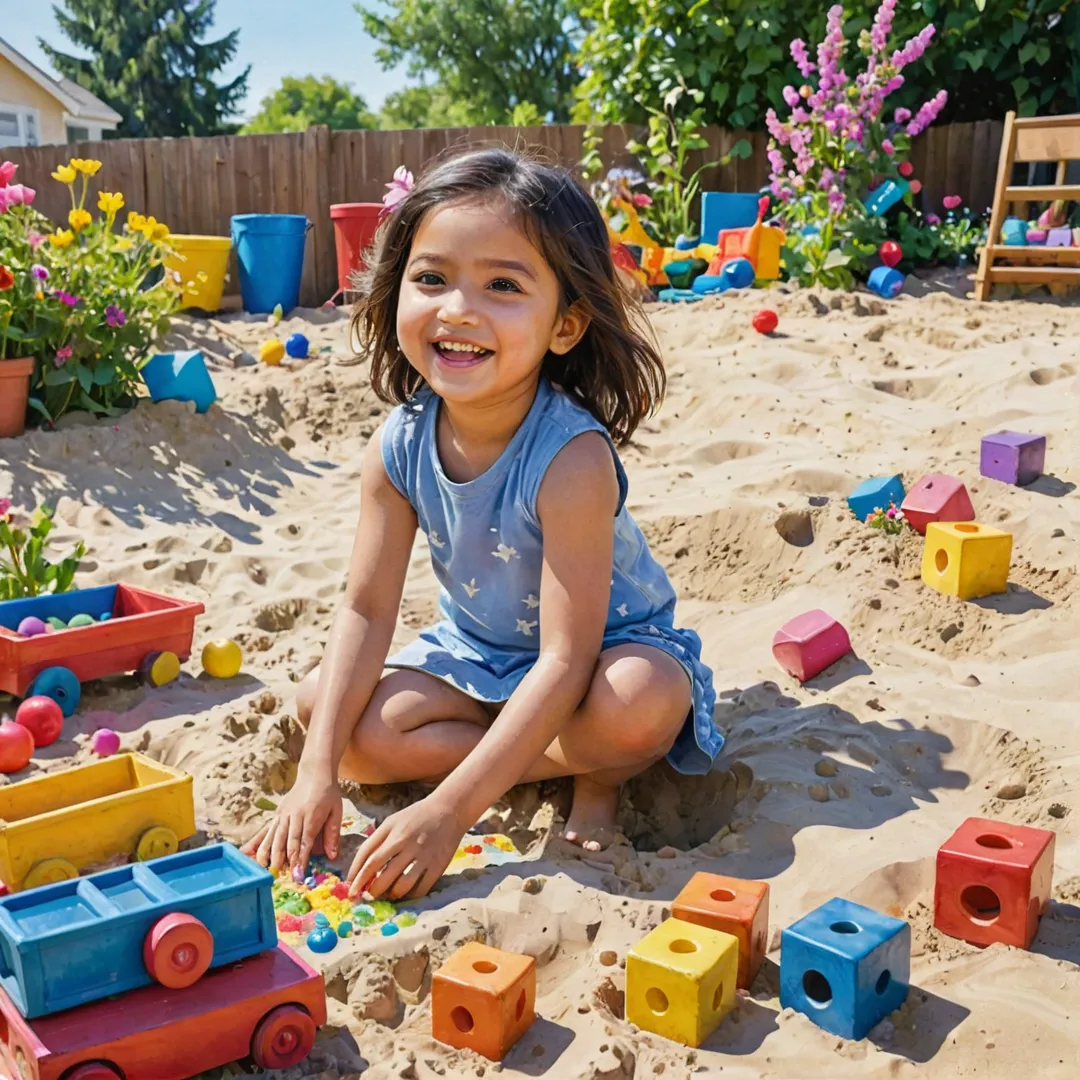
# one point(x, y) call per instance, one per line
point(593, 814)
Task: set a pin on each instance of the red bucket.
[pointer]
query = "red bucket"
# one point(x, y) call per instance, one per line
point(354, 227)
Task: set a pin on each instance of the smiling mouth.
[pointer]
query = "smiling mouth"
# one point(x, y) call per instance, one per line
point(460, 353)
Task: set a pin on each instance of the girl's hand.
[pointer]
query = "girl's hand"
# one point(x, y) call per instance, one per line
point(407, 853)
point(310, 811)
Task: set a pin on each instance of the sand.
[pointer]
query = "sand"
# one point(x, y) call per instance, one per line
point(857, 777)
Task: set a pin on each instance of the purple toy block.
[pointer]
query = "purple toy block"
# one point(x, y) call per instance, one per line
point(1059, 238)
point(1013, 457)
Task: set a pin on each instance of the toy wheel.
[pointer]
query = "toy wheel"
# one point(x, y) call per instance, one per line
point(178, 950)
point(159, 668)
point(284, 1037)
point(61, 685)
point(93, 1070)
point(48, 872)
point(156, 842)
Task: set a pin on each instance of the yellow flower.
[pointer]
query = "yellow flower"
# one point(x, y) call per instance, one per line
point(135, 222)
point(65, 174)
point(160, 232)
point(122, 244)
point(79, 218)
point(87, 166)
point(61, 238)
point(110, 202)
point(153, 229)
point(39, 295)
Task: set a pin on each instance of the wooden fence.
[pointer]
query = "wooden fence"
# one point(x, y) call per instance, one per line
point(195, 185)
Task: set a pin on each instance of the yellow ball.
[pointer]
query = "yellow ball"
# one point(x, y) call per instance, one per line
point(222, 659)
point(271, 352)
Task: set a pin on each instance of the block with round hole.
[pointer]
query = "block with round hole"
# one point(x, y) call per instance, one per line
point(681, 979)
point(735, 906)
point(937, 497)
point(483, 999)
point(845, 966)
point(966, 559)
point(993, 882)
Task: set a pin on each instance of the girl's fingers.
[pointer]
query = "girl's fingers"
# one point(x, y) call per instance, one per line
point(407, 881)
point(281, 842)
point(426, 883)
point(331, 833)
point(251, 846)
point(387, 875)
point(263, 854)
point(309, 833)
point(377, 858)
point(295, 847)
point(366, 848)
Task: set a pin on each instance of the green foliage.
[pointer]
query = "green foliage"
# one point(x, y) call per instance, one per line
point(298, 104)
point(24, 569)
point(1005, 56)
point(890, 521)
point(423, 107)
point(489, 56)
point(148, 62)
point(926, 239)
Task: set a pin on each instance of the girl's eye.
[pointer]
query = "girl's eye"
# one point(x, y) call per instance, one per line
point(504, 285)
point(428, 277)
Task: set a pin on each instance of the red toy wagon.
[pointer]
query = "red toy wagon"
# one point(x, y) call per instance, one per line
point(125, 629)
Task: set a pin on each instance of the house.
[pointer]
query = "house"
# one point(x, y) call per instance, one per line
point(38, 110)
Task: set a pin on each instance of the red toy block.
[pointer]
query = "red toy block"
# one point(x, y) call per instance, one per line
point(733, 906)
point(937, 498)
point(268, 1006)
point(484, 999)
point(993, 882)
point(809, 643)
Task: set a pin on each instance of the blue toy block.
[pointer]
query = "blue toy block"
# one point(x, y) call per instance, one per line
point(80, 940)
point(726, 210)
point(677, 296)
point(845, 966)
point(884, 197)
point(877, 493)
point(886, 281)
point(180, 376)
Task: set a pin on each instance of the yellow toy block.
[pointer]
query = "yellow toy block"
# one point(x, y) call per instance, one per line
point(966, 559)
point(680, 981)
point(56, 824)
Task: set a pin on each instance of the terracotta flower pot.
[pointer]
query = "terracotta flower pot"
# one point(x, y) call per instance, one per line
point(14, 392)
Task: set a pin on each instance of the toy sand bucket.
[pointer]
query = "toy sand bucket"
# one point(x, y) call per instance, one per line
point(195, 256)
point(354, 229)
point(270, 254)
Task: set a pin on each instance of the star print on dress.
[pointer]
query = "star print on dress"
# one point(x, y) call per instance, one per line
point(505, 553)
point(525, 627)
point(471, 589)
point(531, 601)
point(435, 540)
point(622, 610)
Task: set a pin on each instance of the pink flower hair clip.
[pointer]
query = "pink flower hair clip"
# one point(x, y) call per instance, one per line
point(396, 190)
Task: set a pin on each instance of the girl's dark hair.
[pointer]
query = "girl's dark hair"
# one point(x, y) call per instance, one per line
point(615, 371)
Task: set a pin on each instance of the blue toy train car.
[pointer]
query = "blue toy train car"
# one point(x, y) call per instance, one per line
point(166, 921)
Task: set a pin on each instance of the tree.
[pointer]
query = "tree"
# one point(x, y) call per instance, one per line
point(297, 104)
point(150, 63)
point(486, 56)
point(423, 107)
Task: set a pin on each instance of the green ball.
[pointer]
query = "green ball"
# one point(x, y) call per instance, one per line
point(55, 623)
point(81, 620)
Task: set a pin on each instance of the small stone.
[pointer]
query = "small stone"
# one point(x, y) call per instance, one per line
point(875, 604)
point(608, 957)
point(1058, 810)
point(949, 632)
point(972, 680)
point(532, 885)
point(881, 790)
point(825, 767)
point(1013, 787)
point(667, 852)
point(819, 792)
point(1057, 534)
point(440, 932)
point(892, 583)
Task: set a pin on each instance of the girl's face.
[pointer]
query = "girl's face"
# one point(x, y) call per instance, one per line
point(478, 307)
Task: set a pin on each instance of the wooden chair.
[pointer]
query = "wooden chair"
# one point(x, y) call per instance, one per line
point(1025, 139)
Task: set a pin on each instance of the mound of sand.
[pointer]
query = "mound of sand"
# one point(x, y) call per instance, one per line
point(739, 484)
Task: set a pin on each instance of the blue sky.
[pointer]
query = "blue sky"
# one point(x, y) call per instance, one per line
point(277, 38)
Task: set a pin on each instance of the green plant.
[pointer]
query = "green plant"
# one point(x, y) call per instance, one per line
point(88, 303)
point(890, 521)
point(24, 569)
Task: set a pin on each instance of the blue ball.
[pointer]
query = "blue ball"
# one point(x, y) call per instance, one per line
point(321, 919)
point(105, 616)
point(322, 939)
point(298, 346)
point(344, 928)
point(739, 273)
point(388, 929)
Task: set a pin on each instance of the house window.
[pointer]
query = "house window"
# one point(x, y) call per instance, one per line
point(18, 126)
point(77, 134)
point(31, 129)
point(9, 125)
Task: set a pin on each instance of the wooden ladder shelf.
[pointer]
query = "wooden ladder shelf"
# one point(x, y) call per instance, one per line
point(1027, 139)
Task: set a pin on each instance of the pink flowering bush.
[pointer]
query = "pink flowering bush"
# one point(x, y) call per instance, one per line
point(890, 521)
point(839, 142)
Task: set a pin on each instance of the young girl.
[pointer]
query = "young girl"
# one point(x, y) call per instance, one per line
point(495, 322)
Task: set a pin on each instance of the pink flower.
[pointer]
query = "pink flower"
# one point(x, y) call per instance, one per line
point(20, 194)
point(791, 96)
point(66, 298)
point(927, 114)
point(951, 202)
point(891, 512)
point(905, 168)
point(3, 200)
point(802, 58)
point(887, 146)
point(882, 28)
point(34, 239)
point(396, 190)
point(5, 504)
point(902, 116)
point(7, 172)
point(63, 355)
point(933, 219)
point(39, 272)
point(642, 199)
point(916, 186)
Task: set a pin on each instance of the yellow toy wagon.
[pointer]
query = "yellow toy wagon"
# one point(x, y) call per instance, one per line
point(55, 825)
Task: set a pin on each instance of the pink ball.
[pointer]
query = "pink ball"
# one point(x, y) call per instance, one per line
point(105, 742)
point(32, 626)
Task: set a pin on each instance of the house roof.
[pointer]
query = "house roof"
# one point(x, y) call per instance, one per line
point(78, 101)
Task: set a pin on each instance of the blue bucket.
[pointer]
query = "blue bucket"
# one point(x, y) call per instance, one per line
point(270, 253)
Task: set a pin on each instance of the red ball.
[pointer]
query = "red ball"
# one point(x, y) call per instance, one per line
point(16, 747)
point(43, 718)
point(891, 252)
point(766, 321)
point(905, 168)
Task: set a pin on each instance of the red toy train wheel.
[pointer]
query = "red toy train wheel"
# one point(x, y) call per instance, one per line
point(284, 1037)
point(178, 950)
point(95, 1070)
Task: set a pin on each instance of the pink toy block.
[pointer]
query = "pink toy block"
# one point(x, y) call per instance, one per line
point(1059, 238)
point(809, 643)
point(937, 498)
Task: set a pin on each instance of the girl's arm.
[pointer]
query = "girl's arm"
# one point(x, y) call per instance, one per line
point(351, 668)
point(577, 503)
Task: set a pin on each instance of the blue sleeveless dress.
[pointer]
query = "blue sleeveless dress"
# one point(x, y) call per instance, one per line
point(487, 552)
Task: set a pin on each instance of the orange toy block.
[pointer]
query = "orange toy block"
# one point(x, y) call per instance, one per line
point(733, 906)
point(483, 999)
